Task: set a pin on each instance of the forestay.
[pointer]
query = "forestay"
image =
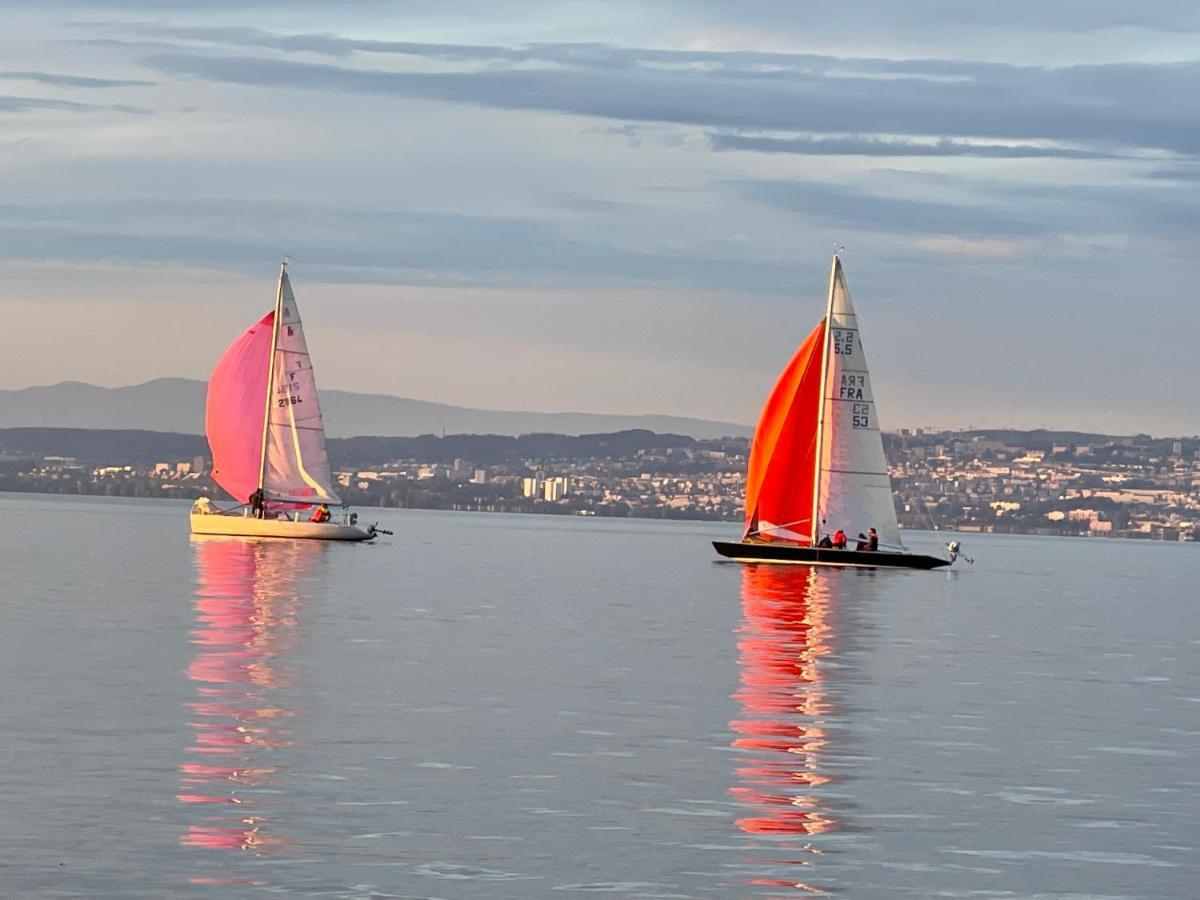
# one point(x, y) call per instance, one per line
point(853, 489)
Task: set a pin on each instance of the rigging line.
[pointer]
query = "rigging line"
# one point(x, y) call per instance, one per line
point(773, 525)
point(287, 420)
point(270, 376)
point(299, 427)
point(826, 340)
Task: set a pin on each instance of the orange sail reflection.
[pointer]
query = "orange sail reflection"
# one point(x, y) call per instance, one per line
point(784, 635)
point(247, 598)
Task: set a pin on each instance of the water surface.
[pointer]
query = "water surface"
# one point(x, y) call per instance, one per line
point(527, 706)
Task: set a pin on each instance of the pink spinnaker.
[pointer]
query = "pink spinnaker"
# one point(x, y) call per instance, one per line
point(233, 416)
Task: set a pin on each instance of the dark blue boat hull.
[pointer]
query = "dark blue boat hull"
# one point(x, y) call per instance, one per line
point(823, 556)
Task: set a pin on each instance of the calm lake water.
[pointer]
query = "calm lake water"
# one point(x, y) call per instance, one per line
point(527, 706)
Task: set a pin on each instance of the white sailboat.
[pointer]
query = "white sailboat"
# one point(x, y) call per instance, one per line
point(817, 465)
point(264, 427)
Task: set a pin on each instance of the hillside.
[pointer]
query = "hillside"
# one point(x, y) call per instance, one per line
point(177, 405)
point(110, 447)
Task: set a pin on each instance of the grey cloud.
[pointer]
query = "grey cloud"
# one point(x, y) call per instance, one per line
point(82, 81)
point(1121, 104)
point(325, 44)
point(859, 210)
point(12, 104)
point(753, 64)
point(860, 145)
point(870, 16)
point(356, 244)
point(984, 208)
point(1175, 173)
point(584, 203)
point(595, 56)
point(203, 6)
point(1161, 210)
point(781, 16)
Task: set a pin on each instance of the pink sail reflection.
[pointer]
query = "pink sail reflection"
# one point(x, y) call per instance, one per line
point(247, 600)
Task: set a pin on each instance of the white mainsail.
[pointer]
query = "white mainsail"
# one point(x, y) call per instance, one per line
point(295, 467)
point(853, 492)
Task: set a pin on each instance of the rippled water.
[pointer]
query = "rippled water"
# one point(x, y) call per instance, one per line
point(524, 706)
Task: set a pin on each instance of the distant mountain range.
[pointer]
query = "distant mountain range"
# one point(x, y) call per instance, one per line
point(121, 447)
point(177, 405)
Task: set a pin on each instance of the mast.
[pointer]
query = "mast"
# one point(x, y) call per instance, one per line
point(262, 466)
point(815, 525)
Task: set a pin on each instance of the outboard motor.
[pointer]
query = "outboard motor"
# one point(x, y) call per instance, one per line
point(954, 548)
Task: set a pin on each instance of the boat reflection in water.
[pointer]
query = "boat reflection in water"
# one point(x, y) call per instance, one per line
point(784, 635)
point(247, 603)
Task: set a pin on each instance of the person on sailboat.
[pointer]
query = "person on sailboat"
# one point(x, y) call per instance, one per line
point(872, 539)
point(839, 540)
point(863, 543)
point(320, 514)
point(257, 508)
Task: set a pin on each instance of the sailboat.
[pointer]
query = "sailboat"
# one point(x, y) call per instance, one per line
point(817, 464)
point(264, 427)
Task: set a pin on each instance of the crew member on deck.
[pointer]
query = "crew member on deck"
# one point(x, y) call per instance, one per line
point(839, 540)
point(862, 544)
point(872, 539)
point(256, 504)
point(320, 514)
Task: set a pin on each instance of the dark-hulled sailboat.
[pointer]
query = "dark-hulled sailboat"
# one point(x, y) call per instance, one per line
point(817, 463)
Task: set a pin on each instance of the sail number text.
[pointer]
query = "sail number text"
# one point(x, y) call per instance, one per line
point(289, 395)
point(853, 387)
point(843, 342)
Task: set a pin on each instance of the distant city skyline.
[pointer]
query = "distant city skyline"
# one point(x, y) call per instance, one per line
point(534, 206)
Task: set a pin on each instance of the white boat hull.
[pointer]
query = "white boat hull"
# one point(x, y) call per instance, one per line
point(248, 526)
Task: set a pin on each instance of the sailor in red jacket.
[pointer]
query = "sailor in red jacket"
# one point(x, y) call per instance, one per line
point(839, 540)
point(321, 514)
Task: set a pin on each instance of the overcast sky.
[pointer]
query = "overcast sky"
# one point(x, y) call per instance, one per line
point(614, 206)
